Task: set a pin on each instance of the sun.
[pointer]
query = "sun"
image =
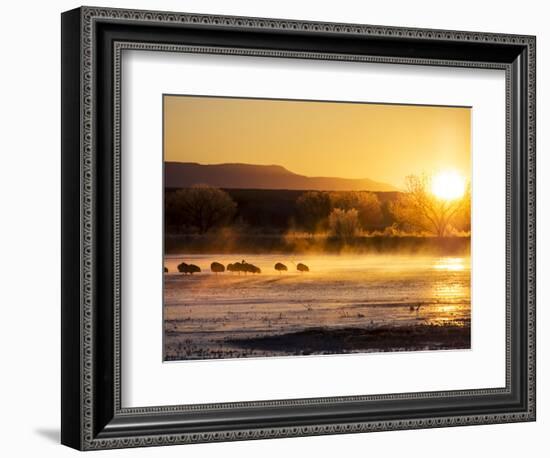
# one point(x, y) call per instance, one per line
point(448, 185)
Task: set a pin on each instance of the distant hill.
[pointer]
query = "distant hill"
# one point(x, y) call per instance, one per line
point(249, 176)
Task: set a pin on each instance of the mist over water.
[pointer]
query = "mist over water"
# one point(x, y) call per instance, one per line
point(204, 312)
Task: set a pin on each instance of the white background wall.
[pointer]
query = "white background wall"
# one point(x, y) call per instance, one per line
point(30, 215)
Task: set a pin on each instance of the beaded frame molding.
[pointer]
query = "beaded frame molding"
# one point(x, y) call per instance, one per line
point(93, 40)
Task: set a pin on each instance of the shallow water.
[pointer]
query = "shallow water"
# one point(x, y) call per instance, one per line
point(203, 311)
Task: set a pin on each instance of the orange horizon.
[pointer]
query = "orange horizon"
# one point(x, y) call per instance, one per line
point(380, 142)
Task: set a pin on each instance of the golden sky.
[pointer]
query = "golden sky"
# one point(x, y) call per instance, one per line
point(347, 140)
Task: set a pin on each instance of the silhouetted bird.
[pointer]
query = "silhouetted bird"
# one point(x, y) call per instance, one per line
point(280, 267)
point(247, 267)
point(302, 267)
point(254, 269)
point(216, 267)
point(188, 268)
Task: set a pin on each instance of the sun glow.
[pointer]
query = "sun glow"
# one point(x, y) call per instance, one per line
point(450, 264)
point(448, 185)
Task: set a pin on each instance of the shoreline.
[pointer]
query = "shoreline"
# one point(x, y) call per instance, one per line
point(325, 341)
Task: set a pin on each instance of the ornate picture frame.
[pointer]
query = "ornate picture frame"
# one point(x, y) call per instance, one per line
point(93, 416)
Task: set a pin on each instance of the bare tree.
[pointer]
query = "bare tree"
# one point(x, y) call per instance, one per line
point(419, 209)
point(201, 207)
point(462, 220)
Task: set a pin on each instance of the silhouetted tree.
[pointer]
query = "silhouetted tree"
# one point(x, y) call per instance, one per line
point(462, 220)
point(201, 207)
point(313, 208)
point(367, 204)
point(419, 209)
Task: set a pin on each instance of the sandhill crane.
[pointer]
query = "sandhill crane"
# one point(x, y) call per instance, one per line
point(246, 267)
point(280, 267)
point(188, 268)
point(216, 267)
point(253, 269)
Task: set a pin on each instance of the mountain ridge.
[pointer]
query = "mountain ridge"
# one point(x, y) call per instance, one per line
point(255, 176)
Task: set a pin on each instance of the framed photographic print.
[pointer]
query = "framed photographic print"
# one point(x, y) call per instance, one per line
point(278, 228)
point(261, 261)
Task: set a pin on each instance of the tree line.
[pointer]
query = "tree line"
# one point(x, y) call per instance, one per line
point(342, 214)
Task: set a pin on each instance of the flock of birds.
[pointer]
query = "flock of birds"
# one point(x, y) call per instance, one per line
point(243, 266)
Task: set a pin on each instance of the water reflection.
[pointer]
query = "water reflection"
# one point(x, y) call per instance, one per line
point(448, 290)
point(449, 264)
point(339, 292)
